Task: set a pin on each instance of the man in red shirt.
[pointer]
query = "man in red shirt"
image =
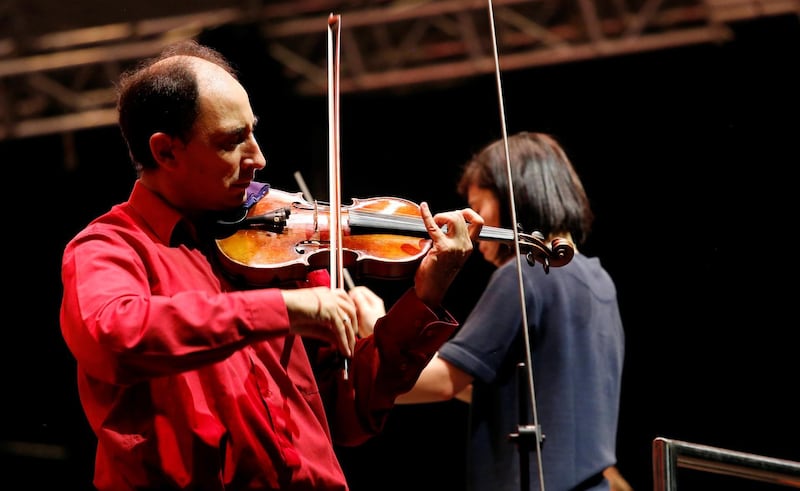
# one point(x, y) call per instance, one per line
point(189, 382)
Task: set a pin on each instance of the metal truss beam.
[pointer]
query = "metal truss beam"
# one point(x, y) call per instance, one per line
point(62, 81)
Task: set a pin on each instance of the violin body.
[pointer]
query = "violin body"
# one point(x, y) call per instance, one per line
point(266, 256)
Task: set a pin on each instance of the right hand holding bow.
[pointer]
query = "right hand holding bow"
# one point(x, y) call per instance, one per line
point(323, 313)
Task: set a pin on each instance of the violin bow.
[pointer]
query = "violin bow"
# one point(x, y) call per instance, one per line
point(334, 181)
point(518, 255)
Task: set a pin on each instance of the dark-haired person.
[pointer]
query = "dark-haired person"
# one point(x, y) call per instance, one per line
point(575, 331)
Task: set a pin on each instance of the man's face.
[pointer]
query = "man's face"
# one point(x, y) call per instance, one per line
point(221, 156)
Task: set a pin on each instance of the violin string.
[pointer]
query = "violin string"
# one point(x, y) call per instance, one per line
point(370, 219)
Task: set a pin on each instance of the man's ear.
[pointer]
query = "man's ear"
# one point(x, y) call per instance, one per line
point(161, 146)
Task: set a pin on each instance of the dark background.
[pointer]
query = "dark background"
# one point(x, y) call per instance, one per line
point(688, 155)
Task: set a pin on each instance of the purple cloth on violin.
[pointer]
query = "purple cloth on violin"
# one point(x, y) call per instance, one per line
point(255, 191)
point(225, 223)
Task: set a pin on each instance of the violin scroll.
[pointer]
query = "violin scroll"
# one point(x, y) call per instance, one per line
point(557, 254)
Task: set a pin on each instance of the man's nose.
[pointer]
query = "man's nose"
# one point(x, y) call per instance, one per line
point(254, 157)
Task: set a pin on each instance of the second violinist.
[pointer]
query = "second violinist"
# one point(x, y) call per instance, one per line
point(577, 341)
point(188, 383)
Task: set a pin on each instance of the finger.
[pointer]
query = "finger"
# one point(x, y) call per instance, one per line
point(349, 331)
point(341, 321)
point(475, 222)
point(358, 295)
point(430, 224)
point(453, 223)
point(342, 326)
point(349, 316)
point(362, 298)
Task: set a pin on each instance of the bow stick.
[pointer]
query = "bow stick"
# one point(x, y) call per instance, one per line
point(348, 279)
point(528, 358)
point(334, 183)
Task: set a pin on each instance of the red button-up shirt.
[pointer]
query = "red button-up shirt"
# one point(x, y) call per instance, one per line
point(188, 384)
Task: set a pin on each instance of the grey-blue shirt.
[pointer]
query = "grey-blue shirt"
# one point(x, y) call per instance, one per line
point(577, 343)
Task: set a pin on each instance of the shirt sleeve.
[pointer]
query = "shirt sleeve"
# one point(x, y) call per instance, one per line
point(384, 365)
point(482, 344)
point(124, 323)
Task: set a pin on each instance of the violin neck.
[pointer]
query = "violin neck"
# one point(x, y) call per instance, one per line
point(364, 222)
point(496, 234)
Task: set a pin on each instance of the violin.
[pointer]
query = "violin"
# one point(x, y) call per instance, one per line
point(284, 236)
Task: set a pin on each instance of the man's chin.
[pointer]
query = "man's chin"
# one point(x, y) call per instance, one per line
point(238, 197)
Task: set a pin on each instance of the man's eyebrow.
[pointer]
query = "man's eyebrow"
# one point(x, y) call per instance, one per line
point(239, 131)
point(245, 129)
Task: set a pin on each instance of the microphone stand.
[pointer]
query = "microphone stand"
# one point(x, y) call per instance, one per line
point(528, 437)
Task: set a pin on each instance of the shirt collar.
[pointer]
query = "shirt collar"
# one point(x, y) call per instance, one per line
point(163, 218)
point(157, 213)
